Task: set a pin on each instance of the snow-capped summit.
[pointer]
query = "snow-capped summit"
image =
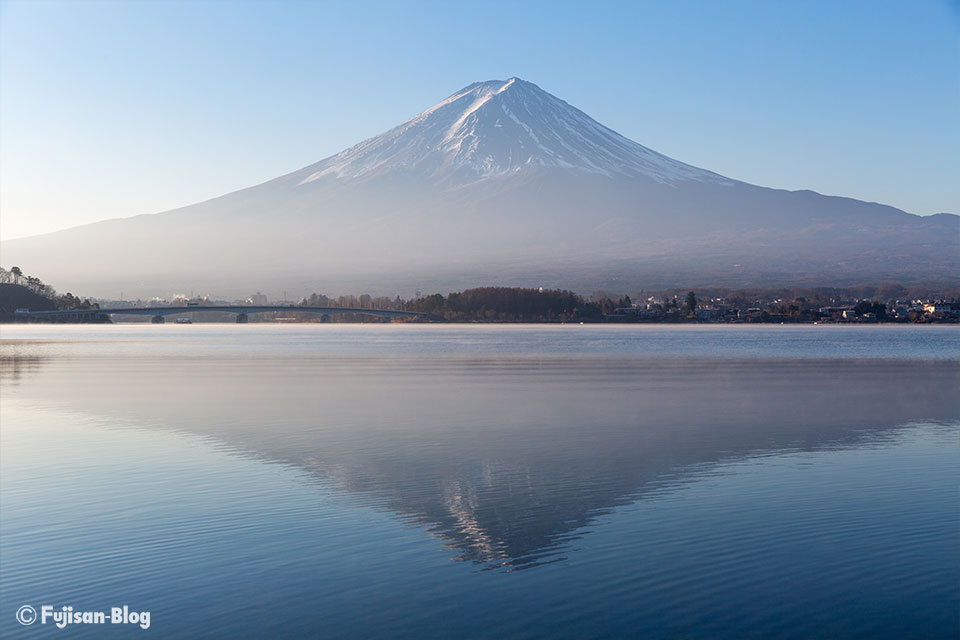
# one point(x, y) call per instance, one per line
point(500, 127)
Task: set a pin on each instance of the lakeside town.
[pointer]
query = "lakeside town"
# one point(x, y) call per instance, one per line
point(718, 309)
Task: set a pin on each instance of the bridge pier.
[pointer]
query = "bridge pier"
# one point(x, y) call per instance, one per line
point(242, 318)
point(157, 319)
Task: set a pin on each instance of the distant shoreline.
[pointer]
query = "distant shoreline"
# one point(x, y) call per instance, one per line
point(28, 299)
point(10, 319)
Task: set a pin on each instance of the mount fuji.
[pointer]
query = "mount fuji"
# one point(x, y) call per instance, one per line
point(501, 183)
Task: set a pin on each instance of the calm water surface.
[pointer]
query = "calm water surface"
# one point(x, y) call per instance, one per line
point(483, 481)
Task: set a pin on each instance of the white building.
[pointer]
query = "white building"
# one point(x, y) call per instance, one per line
point(937, 307)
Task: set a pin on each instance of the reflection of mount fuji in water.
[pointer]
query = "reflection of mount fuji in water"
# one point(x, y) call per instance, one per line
point(506, 459)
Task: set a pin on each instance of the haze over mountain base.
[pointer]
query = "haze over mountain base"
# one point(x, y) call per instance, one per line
point(501, 183)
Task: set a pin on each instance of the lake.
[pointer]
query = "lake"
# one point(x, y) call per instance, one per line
point(482, 481)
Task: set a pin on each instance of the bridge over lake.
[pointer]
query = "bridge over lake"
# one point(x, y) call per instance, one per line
point(242, 312)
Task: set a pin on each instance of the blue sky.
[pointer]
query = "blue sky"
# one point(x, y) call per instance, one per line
point(112, 109)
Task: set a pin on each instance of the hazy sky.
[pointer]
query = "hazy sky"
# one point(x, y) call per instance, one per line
point(111, 109)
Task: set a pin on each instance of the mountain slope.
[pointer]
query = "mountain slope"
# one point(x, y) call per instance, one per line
point(501, 183)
